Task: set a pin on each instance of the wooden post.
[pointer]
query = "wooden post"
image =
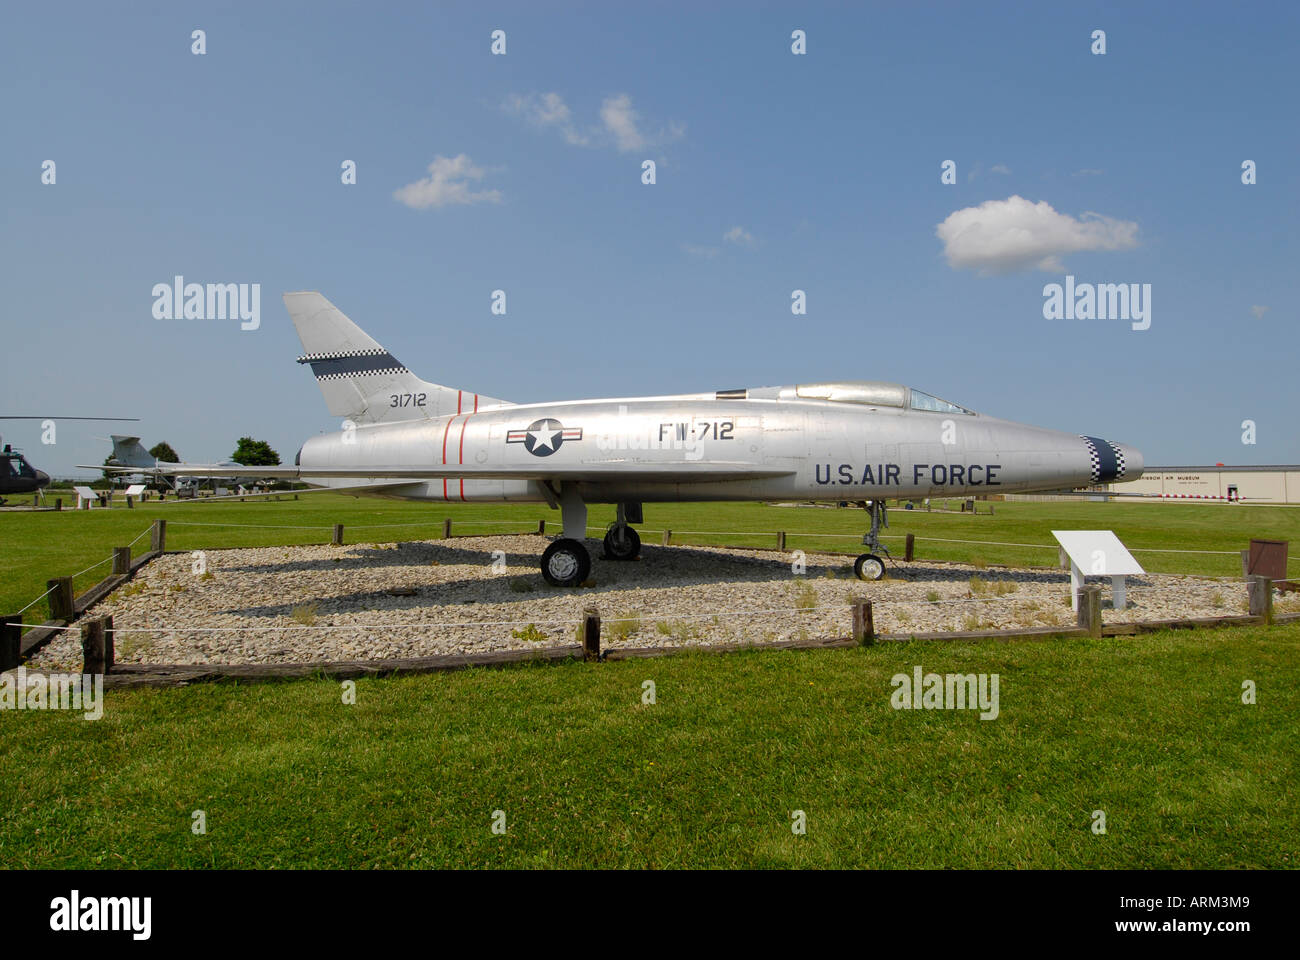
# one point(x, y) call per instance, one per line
point(58, 504)
point(908, 548)
point(337, 539)
point(864, 626)
point(541, 528)
point(1090, 609)
point(1245, 564)
point(1260, 591)
point(11, 641)
point(121, 560)
point(668, 536)
point(446, 528)
point(61, 599)
point(130, 503)
point(780, 540)
point(97, 646)
point(158, 539)
point(590, 634)
point(1062, 558)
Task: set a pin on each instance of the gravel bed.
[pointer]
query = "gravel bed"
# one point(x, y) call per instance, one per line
point(373, 601)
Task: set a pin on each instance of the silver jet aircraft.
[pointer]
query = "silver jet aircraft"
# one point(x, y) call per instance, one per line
point(863, 441)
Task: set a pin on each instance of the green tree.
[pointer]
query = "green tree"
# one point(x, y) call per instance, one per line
point(163, 451)
point(255, 453)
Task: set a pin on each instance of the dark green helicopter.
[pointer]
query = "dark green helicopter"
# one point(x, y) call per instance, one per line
point(19, 476)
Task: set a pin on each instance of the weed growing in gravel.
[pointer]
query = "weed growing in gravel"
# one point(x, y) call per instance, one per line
point(1216, 599)
point(131, 589)
point(305, 613)
point(904, 617)
point(130, 645)
point(664, 628)
point(529, 633)
point(624, 627)
point(996, 588)
point(805, 597)
point(932, 596)
point(206, 575)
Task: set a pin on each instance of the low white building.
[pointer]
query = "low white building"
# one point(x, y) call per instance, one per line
point(1266, 484)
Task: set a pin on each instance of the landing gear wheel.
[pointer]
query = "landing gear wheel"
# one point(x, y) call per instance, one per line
point(566, 563)
point(622, 545)
point(869, 567)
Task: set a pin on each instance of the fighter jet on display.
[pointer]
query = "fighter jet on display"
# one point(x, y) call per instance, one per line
point(129, 452)
point(864, 441)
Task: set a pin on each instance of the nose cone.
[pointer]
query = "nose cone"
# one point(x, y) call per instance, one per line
point(42, 479)
point(1113, 462)
point(1133, 462)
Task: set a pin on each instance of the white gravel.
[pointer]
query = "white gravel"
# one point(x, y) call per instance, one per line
point(321, 603)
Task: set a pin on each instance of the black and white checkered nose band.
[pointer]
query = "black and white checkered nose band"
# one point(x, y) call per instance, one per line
point(1107, 459)
point(362, 363)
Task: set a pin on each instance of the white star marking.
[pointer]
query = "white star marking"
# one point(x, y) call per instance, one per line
point(545, 439)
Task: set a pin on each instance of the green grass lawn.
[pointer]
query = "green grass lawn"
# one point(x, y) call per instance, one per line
point(1151, 730)
point(38, 546)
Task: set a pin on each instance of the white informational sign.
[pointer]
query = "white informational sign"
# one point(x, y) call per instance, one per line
point(85, 495)
point(1097, 553)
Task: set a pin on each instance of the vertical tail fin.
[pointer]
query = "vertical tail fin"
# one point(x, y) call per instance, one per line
point(128, 452)
point(359, 379)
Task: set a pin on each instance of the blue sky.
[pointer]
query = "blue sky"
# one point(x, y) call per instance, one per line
point(226, 168)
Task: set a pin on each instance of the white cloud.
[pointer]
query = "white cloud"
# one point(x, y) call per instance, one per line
point(739, 235)
point(620, 124)
point(448, 183)
point(620, 119)
point(1088, 172)
point(1000, 168)
point(1001, 236)
point(1259, 311)
point(547, 110)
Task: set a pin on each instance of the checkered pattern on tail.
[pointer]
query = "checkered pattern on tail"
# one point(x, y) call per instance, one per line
point(1094, 457)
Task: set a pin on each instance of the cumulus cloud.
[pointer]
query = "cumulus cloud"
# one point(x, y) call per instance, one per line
point(1259, 311)
point(448, 183)
point(620, 125)
point(1002, 236)
point(739, 235)
point(547, 110)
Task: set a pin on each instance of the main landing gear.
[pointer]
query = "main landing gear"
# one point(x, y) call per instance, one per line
point(621, 541)
point(869, 566)
point(566, 562)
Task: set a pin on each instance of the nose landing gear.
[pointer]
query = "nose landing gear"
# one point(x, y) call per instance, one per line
point(869, 566)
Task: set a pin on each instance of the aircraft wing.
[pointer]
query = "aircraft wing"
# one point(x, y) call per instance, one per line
point(634, 471)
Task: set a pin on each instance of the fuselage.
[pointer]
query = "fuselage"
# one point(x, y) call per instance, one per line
point(853, 441)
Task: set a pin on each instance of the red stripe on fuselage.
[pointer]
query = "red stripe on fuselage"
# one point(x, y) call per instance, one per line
point(464, 423)
point(445, 431)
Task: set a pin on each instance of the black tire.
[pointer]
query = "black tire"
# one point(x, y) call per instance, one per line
point(628, 549)
point(869, 567)
point(566, 563)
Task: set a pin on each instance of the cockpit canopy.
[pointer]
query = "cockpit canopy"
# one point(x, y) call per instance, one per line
point(876, 393)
